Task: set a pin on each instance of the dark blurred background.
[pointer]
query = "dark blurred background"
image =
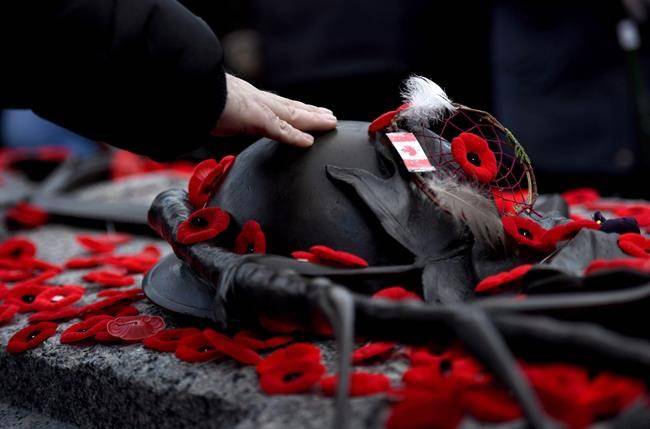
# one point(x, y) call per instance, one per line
point(569, 79)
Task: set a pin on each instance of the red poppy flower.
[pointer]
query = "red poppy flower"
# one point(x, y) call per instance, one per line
point(107, 278)
point(30, 337)
point(635, 245)
point(293, 376)
point(59, 315)
point(525, 231)
point(207, 178)
point(84, 330)
point(27, 215)
point(132, 328)
point(14, 275)
point(251, 239)
point(327, 256)
point(361, 384)
point(397, 293)
point(84, 262)
point(137, 263)
point(57, 297)
point(17, 248)
point(168, 339)
point(637, 264)
point(24, 296)
point(566, 231)
point(386, 119)
point(104, 304)
point(196, 348)
point(609, 394)
point(228, 347)
point(474, 156)
point(490, 404)
point(422, 356)
point(204, 224)
point(507, 202)
point(7, 312)
point(281, 324)
point(372, 351)
point(253, 342)
point(425, 409)
point(503, 280)
point(581, 196)
point(3, 291)
point(294, 352)
point(303, 256)
point(640, 212)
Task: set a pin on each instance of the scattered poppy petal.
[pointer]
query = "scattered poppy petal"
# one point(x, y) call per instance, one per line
point(231, 348)
point(503, 280)
point(204, 224)
point(397, 293)
point(328, 256)
point(361, 384)
point(635, 245)
point(168, 339)
point(131, 328)
point(373, 351)
point(196, 348)
point(251, 239)
point(84, 262)
point(95, 245)
point(27, 215)
point(293, 376)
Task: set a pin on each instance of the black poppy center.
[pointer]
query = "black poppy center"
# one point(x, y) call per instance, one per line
point(291, 376)
point(445, 366)
point(199, 222)
point(15, 253)
point(474, 158)
point(83, 330)
point(28, 298)
point(33, 335)
point(526, 233)
point(250, 248)
point(205, 349)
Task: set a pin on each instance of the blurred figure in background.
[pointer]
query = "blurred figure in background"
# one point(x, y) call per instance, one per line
point(571, 92)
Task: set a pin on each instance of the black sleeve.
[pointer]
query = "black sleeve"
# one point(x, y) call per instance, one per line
point(143, 75)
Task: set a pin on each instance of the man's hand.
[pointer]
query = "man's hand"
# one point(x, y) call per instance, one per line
point(251, 111)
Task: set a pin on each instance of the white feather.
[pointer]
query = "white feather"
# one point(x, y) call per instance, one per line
point(428, 102)
point(468, 206)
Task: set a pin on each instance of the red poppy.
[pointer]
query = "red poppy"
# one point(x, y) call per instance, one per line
point(637, 264)
point(137, 263)
point(361, 384)
point(27, 215)
point(386, 119)
point(609, 394)
point(104, 304)
point(251, 239)
point(474, 156)
point(204, 224)
point(196, 348)
point(581, 196)
point(59, 315)
point(168, 339)
point(131, 328)
point(327, 256)
point(253, 342)
point(17, 248)
point(635, 245)
point(207, 178)
point(14, 275)
point(107, 278)
point(294, 352)
point(30, 337)
point(57, 297)
point(281, 324)
point(84, 262)
point(227, 346)
point(503, 280)
point(84, 330)
point(422, 356)
point(7, 312)
point(24, 296)
point(490, 404)
point(397, 293)
point(3, 290)
point(293, 376)
point(640, 212)
point(303, 256)
point(420, 409)
point(507, 202)
point(373, 351)
point(566, 231)
point(525, 231)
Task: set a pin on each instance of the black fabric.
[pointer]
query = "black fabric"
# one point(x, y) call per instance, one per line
point(143, 75)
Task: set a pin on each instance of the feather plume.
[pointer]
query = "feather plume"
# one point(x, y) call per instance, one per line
point(468, 206)
point(427, 101)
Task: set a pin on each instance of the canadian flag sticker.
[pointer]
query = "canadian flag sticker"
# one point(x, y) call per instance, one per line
point(411, 152)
